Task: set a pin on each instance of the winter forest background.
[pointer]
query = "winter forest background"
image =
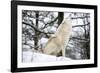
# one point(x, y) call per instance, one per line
point(38, 26)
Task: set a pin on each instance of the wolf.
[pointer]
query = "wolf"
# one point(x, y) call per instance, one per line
point(59, 40)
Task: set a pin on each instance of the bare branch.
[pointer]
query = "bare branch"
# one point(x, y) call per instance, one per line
point(79, 38)
point(50, 23)
point(80, 25)
point(80, 17)
point(37, 29)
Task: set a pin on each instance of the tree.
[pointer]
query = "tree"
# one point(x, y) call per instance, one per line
point(79, 43)
point(39, 32)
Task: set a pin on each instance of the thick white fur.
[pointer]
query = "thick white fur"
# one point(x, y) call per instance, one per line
point(59, 40)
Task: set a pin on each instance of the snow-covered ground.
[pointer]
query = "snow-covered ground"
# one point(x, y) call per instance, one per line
point(29, 56)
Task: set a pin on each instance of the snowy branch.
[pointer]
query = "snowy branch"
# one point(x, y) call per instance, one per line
point(37, 29)
point(80, 25)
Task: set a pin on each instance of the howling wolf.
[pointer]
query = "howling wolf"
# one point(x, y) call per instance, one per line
point(57, 43)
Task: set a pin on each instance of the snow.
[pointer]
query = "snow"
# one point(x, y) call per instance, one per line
point(30, 42)
point(41, 25)
point(29, 56)
point(55, 14)
point(26, 46)
point(43, 40)
point(53, 29)
point(46, 19)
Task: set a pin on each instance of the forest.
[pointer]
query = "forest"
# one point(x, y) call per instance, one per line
point(39, 26)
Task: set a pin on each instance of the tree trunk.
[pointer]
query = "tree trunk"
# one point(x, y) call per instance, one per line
point(36, 33)
point(60, 17)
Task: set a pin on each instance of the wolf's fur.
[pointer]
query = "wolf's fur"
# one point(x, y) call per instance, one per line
point(59, 40)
